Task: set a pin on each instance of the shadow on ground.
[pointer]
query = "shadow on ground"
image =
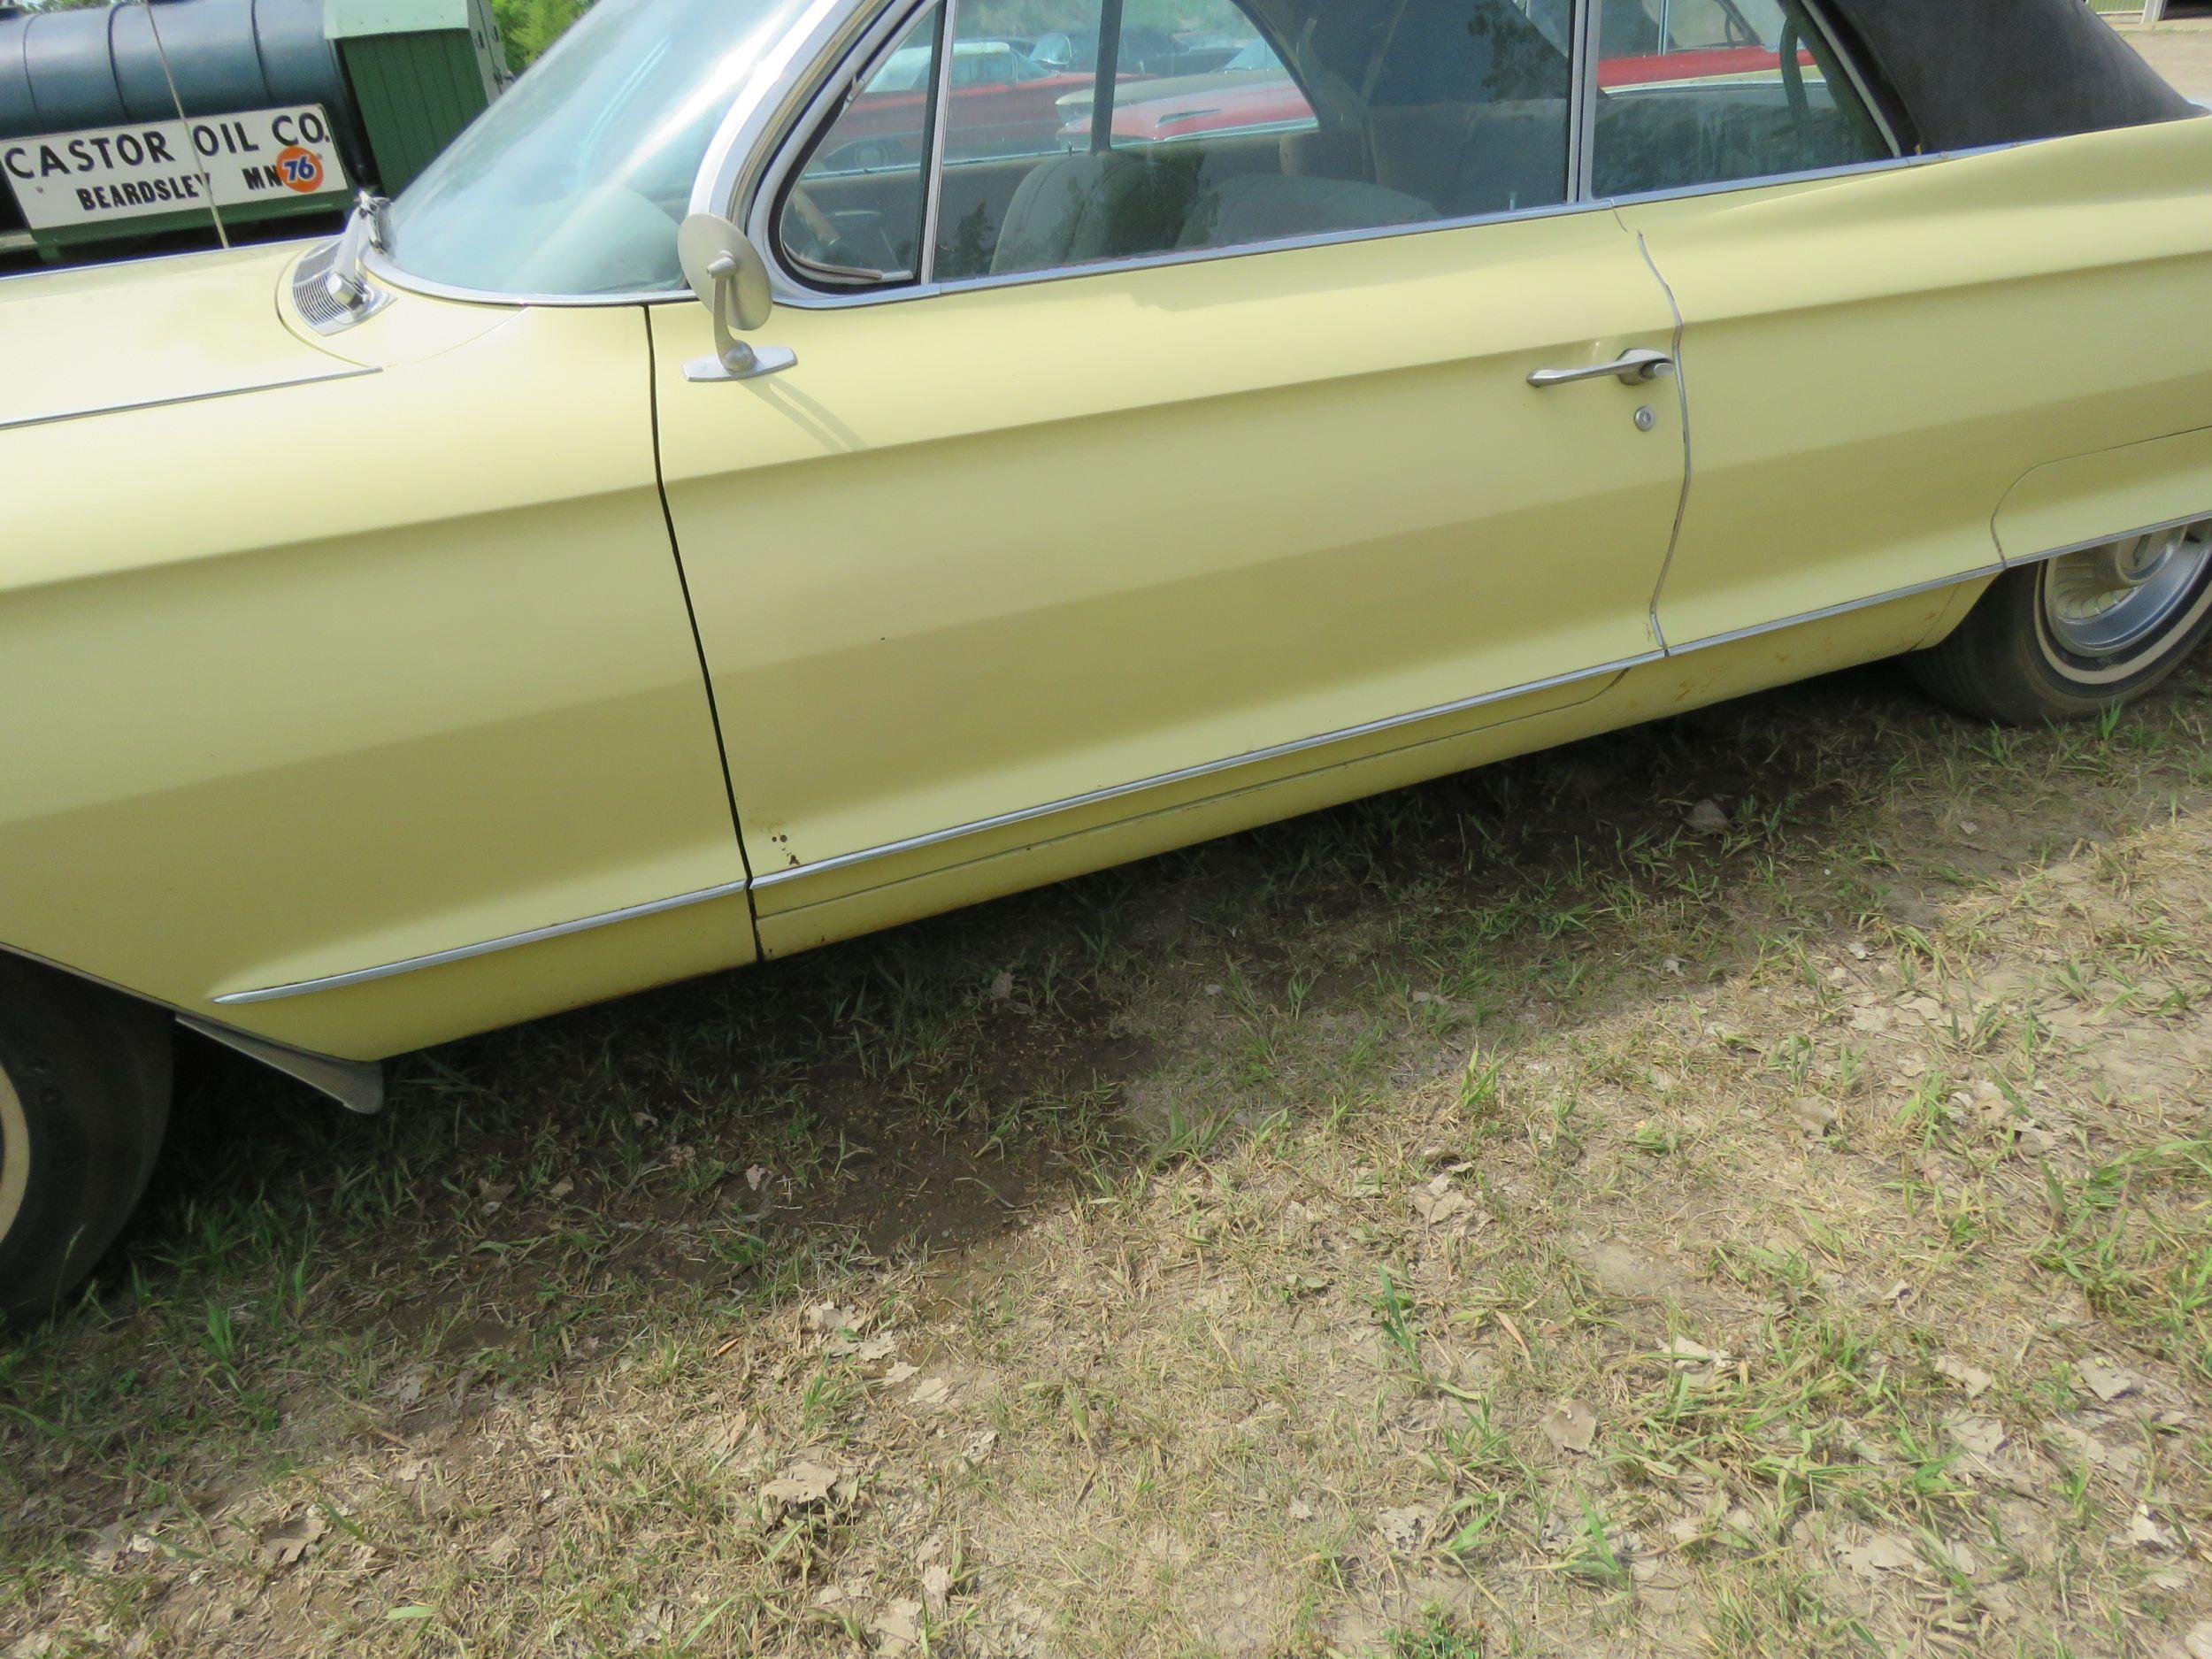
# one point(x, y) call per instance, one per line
point(535, 1200)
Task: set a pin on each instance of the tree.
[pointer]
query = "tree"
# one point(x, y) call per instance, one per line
point(528, 26)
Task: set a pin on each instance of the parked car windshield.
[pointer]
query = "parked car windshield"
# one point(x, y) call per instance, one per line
point(575, 180)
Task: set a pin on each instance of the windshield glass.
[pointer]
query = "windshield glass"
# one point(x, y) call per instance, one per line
point(574, 181)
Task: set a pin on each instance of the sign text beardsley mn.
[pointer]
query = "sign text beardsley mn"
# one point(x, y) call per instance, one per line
point(64, 180)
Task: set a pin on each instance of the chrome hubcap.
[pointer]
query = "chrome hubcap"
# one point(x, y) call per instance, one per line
point(2102, 601)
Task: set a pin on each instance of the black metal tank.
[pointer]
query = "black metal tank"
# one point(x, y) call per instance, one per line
point(103, 66)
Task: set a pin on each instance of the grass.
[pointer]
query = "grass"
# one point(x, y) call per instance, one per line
point(1188, 1260)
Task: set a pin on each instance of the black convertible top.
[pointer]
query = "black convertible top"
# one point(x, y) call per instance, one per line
point(1957, 73)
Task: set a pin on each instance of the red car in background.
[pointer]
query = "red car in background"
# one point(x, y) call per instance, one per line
point(1252, 93)
point(1710, 62)
point(1003, 103)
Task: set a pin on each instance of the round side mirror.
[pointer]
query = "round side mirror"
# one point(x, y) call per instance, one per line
point(725, 271)
point(731, 278)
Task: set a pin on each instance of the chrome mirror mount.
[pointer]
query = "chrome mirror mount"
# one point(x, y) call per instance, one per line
point(731, 278)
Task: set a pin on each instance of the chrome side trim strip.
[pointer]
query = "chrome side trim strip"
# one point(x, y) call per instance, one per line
point(1736, 636)
point(608, 919)
point(1979, 573)
point(2103, 541)
point(1187, 774)
point(464, 953)
point(1209, 769)
point(90, 410)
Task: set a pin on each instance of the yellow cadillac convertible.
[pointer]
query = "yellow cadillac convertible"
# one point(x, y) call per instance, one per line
point(764, 483)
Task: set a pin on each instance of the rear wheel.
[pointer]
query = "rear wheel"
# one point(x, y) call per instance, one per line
point(84, 1097)
point(2076, 635)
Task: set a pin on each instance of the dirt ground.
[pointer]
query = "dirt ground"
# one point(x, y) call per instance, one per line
point(1735, 1187)
point(2180, 50)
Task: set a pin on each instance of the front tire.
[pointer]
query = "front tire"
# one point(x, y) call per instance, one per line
point(2077, 635)
point(84, 1098)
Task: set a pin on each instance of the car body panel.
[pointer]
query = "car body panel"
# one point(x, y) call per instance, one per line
point(196, 327)
point(357, 671)
point(2077, 501)
point(1368, 767)
point(370, 710)
point(1873, 359)
point(1099, 530)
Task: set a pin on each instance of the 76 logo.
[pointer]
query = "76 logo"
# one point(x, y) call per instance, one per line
point(300, 169)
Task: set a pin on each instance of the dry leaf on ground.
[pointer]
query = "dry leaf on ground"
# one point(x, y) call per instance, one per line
point(2146, 1530)
point(2106, 1381)
point(283, 1545)
point(1885, 1552)
point(1982, 1436)
point(1571, 1426)
point(801, 1485)
point(1974, 1380)
point(937, 1586)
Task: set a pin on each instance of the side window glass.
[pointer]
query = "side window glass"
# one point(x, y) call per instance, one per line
point(853, 217)
point(1237, 127)
point(1694, 92)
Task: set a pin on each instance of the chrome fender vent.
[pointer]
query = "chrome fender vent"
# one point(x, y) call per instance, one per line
point(330, 306)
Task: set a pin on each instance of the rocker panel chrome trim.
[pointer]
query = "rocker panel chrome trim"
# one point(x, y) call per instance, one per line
point(1209, 769)
point(1187, 774)
point(1736, 636)
point(464, 952)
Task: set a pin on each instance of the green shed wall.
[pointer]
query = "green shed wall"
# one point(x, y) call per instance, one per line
point(415, 93)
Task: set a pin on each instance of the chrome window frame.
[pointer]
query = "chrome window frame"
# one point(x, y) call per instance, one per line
point(1582, 108)
point(791, 144)
point(764, 139)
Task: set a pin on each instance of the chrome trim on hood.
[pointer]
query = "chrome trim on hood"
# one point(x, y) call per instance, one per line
point(345, 373)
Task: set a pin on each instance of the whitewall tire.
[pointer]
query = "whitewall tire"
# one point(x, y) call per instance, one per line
point(84, 1099)
point(2079, 634)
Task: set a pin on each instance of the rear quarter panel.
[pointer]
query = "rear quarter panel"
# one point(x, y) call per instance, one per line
point(1874, 361)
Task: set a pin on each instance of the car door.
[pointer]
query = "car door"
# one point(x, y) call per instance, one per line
point(1180, 467)
point(1878, 347)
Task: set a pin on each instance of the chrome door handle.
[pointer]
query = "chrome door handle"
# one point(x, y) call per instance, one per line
point(1631, 368)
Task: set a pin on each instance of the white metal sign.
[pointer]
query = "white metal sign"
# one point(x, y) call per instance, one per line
point(65, 180)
